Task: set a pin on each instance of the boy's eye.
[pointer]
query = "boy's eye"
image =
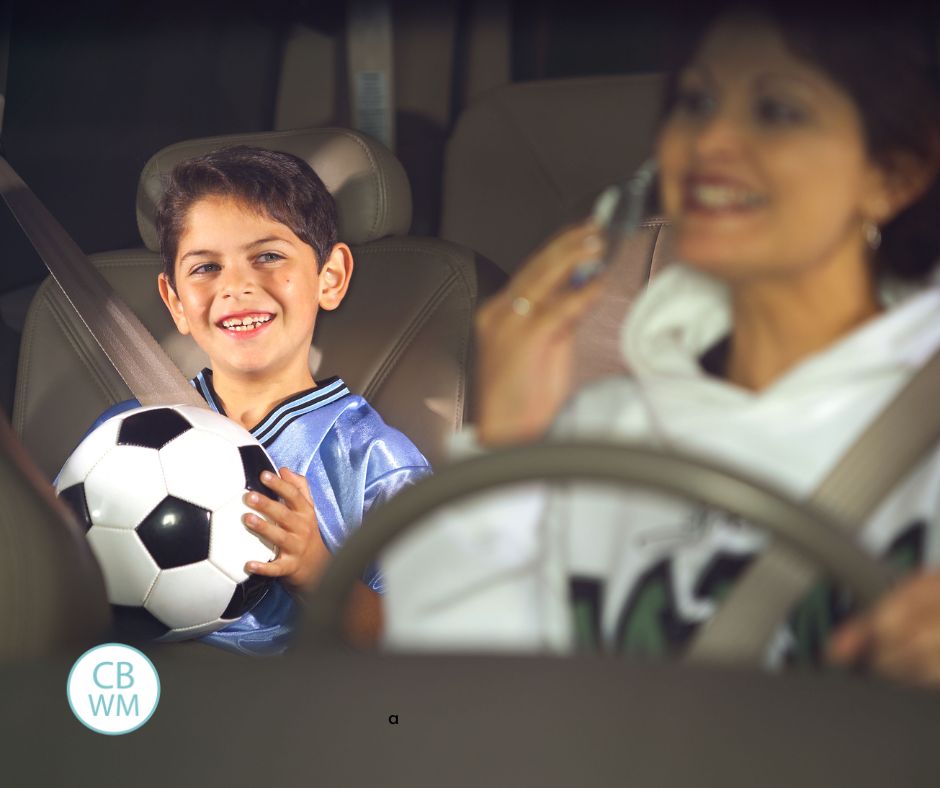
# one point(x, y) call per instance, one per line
point(269, 257)
point(775, 112)
point(204, 268)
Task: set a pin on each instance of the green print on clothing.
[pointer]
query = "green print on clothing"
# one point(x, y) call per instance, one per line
point(644, 632)
point(651, 623)
point(824, 607)
point(586, 613)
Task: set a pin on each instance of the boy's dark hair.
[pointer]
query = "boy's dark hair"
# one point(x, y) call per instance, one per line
point(278, 185)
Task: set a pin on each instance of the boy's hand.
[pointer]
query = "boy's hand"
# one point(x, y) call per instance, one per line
point(291, 527)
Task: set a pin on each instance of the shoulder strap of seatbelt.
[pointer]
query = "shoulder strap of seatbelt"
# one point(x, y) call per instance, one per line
point(880, 458)
point(371, 74)
point(147, 370)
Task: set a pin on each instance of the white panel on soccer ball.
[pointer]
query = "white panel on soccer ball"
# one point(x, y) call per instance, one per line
point(192, 595)
point(232, 544)
point(124, 487)
point(128, 569)
point(87, 454)
point(202, 468)
point(190, 633)
point(216, 423)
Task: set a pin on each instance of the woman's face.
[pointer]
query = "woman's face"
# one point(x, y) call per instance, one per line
point(763, 164)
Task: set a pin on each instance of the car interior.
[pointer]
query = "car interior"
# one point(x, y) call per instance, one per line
point(494, 123)
point(402, 338)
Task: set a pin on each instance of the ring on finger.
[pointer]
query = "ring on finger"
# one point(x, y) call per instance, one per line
point(521, 305)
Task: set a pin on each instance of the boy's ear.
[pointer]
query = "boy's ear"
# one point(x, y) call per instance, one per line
point(334, 276)
point(173, 304)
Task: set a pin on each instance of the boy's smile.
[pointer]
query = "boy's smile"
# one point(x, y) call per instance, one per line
point(242, 324)
point(248, 291)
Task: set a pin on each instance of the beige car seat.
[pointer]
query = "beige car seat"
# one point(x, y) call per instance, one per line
point(401, 337)
point(52, 594)
point(528, 158)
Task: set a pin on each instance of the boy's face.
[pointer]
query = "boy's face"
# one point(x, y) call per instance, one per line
point(248, 290)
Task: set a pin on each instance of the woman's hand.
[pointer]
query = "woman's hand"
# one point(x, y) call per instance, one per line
point(291, 526)
point(525, 338)
point(900, 637)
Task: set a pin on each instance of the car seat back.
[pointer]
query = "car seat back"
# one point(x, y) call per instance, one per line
point(598, 350)
point(528, 157)
point(401, 337)
point(52, 594)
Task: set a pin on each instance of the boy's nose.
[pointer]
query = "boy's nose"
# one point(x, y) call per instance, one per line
point(236, 282)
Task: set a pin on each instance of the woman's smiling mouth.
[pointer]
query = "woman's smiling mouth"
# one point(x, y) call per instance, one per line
point(719, 196)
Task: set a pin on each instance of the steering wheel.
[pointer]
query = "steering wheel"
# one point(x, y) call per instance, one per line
point(809, 533)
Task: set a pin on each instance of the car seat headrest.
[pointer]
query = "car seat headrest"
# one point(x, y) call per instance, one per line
point(373, 196)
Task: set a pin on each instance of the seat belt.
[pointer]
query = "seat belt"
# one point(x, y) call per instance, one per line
point(888, 449)
point(371, 74)
point(144, 366)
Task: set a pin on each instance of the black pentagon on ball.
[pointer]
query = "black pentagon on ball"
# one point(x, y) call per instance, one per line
point(176, 533)
point(74, 496)
point(247, 594)
point(255, 460)
point(137, 624)
point(152, 429)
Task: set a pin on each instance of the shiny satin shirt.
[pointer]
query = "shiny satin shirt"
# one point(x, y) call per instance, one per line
point(352, 461)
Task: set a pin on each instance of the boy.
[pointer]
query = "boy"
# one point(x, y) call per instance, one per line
point(248, 240)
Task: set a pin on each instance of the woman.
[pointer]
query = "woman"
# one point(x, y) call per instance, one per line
point(798, 164)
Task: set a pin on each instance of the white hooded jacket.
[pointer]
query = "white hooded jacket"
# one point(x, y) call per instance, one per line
point(498, 572)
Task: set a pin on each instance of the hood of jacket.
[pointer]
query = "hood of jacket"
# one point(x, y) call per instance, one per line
point(791, 432)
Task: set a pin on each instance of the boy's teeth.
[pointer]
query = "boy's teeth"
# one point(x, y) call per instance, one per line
point(712, 196)
point(245, 323)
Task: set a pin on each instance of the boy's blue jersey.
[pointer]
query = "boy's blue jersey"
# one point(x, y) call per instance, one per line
point(352, 460)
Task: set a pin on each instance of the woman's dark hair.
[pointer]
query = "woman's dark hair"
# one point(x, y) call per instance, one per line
point(278, 185)
point(887, 58)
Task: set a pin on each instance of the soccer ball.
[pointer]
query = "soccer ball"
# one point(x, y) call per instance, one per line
point(159, 491)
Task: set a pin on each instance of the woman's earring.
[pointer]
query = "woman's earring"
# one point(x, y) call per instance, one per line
point(872, 234)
